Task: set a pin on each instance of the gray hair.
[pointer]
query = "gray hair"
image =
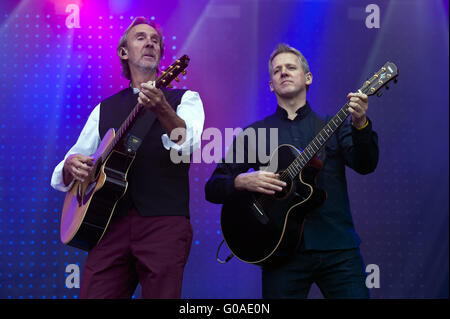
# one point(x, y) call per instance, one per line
point(284, 48)
point(124, 39)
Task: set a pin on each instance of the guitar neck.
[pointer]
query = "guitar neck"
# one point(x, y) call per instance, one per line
point(318, 142)
point(124, 128)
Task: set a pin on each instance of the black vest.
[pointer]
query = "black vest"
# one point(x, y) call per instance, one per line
point(156, 186)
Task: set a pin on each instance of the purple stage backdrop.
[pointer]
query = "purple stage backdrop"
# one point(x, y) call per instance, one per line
point(58, 61)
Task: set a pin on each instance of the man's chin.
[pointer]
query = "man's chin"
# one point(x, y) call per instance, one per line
point(149, 66)
point(288, 93)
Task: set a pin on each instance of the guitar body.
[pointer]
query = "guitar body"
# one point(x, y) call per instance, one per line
point(266, 229)
point(89, 206)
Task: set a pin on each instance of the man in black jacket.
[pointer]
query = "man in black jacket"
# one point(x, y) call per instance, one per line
point(329, 252)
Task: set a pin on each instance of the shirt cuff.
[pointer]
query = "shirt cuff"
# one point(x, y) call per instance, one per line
point(185, 147)
point(363, 135)
point(364, 126)
point(57, 181)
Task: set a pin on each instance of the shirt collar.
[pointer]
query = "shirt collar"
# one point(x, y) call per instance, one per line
point(302, 112)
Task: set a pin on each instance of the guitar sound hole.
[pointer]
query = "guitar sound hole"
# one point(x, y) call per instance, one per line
point(89, 190)
point(79, 197)
point(285, 191)
point(97, 167)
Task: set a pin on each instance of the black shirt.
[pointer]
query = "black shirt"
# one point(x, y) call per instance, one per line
point(330, 227)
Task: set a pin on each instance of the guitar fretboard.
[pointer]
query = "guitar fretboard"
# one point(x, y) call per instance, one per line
point(318, 142)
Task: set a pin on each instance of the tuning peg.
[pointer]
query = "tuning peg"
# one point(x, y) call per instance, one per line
point(387, 87)
point(395, 80)
point(379, 94)
point(184, 72)
point(177, 79)
point(170, 86)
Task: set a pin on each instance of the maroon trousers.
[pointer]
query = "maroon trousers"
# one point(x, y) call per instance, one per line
point(135, 249)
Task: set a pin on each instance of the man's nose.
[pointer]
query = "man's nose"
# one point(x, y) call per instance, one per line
point(149, 43)
point(284, 72)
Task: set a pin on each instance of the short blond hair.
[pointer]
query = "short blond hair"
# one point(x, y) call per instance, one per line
point(284, 48)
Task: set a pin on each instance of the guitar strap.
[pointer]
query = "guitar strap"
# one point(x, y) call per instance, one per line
point(217, 255)
point(139, 130)
point(144, 121)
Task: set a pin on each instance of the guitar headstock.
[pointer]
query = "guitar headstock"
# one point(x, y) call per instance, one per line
point(380, 79)
point(172, 72)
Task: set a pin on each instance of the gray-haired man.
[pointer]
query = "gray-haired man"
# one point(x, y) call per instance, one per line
point(149, 238)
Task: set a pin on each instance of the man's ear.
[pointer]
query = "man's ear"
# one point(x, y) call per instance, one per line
point(309, 78)
point(123, 54)
point(271, 86)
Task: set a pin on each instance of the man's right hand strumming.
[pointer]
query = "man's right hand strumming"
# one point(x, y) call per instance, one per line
point(259, 181)
point(77, 167)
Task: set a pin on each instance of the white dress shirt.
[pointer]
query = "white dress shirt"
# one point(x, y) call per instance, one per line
point(190, 110)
